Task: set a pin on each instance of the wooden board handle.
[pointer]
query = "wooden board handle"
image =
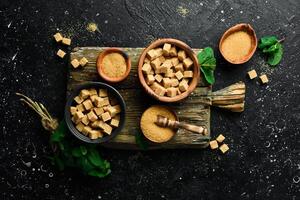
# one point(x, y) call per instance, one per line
point(231, 98)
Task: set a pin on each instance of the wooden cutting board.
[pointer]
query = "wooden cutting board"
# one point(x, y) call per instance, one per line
point(195, 109)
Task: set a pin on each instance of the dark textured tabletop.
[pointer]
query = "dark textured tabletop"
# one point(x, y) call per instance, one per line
point(264, 158)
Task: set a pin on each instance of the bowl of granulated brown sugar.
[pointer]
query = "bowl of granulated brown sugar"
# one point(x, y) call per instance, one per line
point(113, 65)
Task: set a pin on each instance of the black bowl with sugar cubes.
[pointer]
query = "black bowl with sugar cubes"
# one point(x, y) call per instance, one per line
point(95, 112)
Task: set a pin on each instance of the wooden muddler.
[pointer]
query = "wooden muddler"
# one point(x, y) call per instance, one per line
point(165, 122)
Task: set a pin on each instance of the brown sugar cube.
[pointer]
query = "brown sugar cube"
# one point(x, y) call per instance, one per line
point(92, 116)
point(151, 72)
point(80, 107)
point(186, 80)
point(166, 49)
point(166, 82)
point(146, 60)
point(78, 116)
point(107, 128)
point(171, 92)
point(118, 108)
point(84, 94)
point(170, 73)
point(220, 138)
point(83, 61)
point(264, 79)
point(95, 124)
point(93, 91)
point(150, 79)
point(179, 75)
point(252, 74)
point(114, 122)
point(158, 77)
point(179, 67)
point(174, 82)
point(158, 70)
point(183, 86)
point(162, 59)
point(103, 93)
point(151, 54)
point(75, 63)
point(146, 68)
point(159, 52)
point(86, 130)
point(113, 101)
point(112, 111)
point(73, 110)
point(188, 74)
point(155, 63)
point(94, 134)
point(213, 144)
point(178, 91)
point(98, 111)
point(164, 69)
point(224, 148)
point(167, 63)
point(85, 120)
point(61, 53)
point(173, 51)
point(117, 117)
point(160, 91)
point(58, 37)
point(105, 101)
point(66, 41)
point(187, 63)
point(79, 127)
point(93, 98)
point(105, 116)
point(88, 104)
point(175, 61)
point(154, 86)
point(181, 55)
point(99, 102)
point(78, 99)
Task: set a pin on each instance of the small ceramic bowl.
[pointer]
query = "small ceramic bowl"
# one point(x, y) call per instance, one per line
point(99, 65)
point(71, 102)
point(190, 53)
point(240, 27)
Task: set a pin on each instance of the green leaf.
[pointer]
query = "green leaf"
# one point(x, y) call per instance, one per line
point(59, 133)
point(276, 56)
point(209, 75)
point(76, 152)
point(141, 141)
point(94, 157)
point(272, 48)
point(267, 41)
point(99, 174)
point(59, 163)
point(84, 164)
point(207, 63)
point(83, 150)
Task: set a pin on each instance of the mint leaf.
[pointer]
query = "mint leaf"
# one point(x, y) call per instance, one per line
point(267, 41)
point(272, 48)
point(98, 173)
point(276, 56)
point(207, 63)
point(140, 140)
point(59, 133)
point(209, 75)
point(95, 159)
point(76, 152)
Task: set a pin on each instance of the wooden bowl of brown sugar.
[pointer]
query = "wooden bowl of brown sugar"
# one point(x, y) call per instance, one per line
point(113, 65)
point(168, 70)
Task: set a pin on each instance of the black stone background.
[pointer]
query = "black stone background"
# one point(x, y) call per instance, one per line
point(263, 161)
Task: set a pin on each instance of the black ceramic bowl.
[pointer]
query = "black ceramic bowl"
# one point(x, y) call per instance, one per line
point(71, 102)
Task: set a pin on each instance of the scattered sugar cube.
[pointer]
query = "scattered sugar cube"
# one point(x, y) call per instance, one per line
point(187, 63)
point(220, 138)
point(58, 37)
point(179, 67)
point(252, 74)
point(146, 68)
point(103, 92)
point(105, 116)
point(171, 92)
point(224, 148)
point(78, 99)
point(83, 61)
point(213, 144)
point(181, 55)
point(61, 53)
point(158, 77)
point(173, 51)
point(264, 79)
point(75, 63)
point(188, 74)
point(66, 41)
point(92, 116)
point(85, 120)
point(166, 49)
point(114, 122)
point(179, 75)
point(88, 104)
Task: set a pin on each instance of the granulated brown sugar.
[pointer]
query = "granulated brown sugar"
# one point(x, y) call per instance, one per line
point(236, 46)
point(114, 65)
point(151, 130)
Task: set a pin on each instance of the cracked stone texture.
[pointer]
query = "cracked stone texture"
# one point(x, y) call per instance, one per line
point(263, 160)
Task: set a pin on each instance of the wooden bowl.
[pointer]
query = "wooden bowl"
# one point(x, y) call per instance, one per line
point(99, 65)
point(190, 53)
point(240, 27)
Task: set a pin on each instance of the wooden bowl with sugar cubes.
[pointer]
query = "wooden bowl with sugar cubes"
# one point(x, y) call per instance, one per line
point(95, 112)
point(168, 70)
